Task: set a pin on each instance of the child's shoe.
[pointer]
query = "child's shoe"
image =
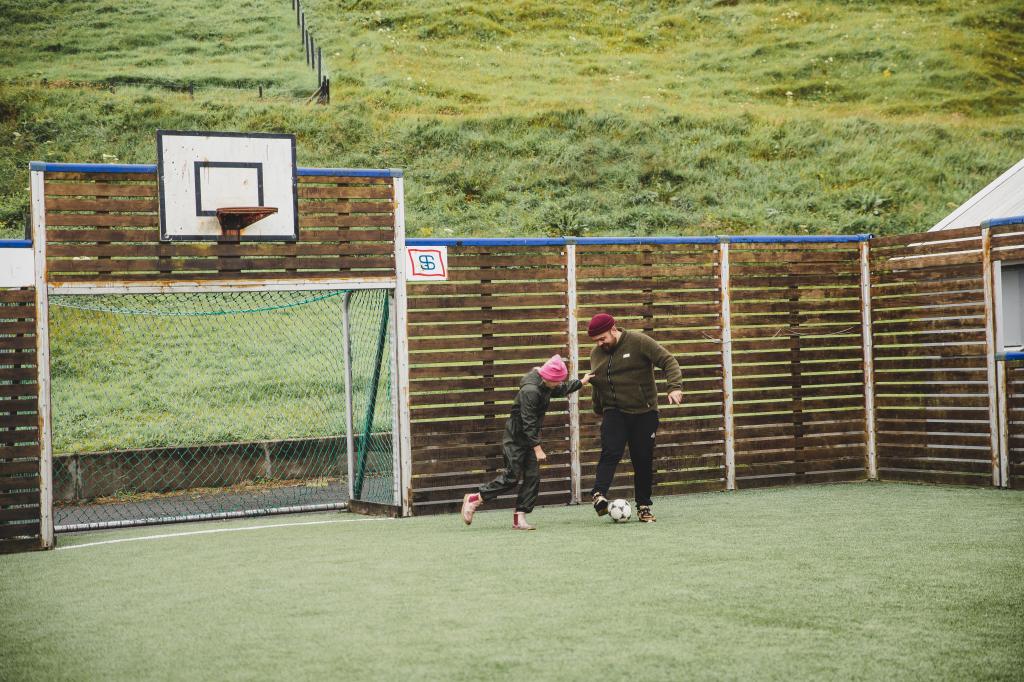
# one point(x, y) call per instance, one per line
point(519, 522)
point(469, 504)
point(600, 504)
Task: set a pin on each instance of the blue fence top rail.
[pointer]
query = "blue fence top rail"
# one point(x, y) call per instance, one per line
point(151, 168)
point(562, 241)
point(1009, 220)
point(15, 243)
point(1010, 355)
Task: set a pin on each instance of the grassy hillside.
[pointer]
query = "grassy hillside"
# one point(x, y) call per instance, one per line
point(527, 117)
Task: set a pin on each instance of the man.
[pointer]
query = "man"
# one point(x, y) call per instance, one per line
point(626, 397)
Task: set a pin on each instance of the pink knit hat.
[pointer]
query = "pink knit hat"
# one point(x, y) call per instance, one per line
point(554, 369)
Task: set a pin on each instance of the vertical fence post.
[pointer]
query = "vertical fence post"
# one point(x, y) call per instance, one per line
point(401, 322)
point(727, 391)
point(990, 352)
point(1002, 381)
point(319, 65)
point(346, 330)
point(1004, 426)
point(305, 44)
point(871, 454)
point(43, 360)
point(574, 370)
point(396, 455)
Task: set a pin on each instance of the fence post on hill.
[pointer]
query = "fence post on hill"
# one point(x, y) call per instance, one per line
point(871, 454)
point(401, 322)
point(729, 425)
point(42, 303)
point(990, 352)
point(574, 370)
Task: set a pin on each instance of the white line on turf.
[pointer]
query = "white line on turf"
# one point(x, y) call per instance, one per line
point(215, 530)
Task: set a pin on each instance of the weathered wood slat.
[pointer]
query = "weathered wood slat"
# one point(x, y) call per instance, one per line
point(58, 253)
point(15, 530)
point(100, 189)
point(341, 180)
point(182, 266)
point(927, 476)
point(344, 192)
point(456, 302)
point(340, 220)
point(20, 514)
point(106, 204)
point(9, 484)
point(902, 240)
point(102, 219)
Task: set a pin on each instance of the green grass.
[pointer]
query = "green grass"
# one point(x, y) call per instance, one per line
point(859, 581)
point(528, 118)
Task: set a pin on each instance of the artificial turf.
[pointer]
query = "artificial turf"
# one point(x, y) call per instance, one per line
point(856, 581)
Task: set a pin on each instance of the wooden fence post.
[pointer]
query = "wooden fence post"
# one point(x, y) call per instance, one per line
point(574, 370)
point(43, 360)
point(990, 352)
point(727, 391)
point(401, 382)
point(871, 454)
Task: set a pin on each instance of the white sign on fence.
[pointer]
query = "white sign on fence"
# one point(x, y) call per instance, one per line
point(17, 268)
point(427, 263)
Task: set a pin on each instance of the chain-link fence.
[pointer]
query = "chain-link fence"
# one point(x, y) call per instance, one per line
point(202, 405)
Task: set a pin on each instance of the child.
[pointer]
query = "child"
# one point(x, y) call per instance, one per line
point(521, 441)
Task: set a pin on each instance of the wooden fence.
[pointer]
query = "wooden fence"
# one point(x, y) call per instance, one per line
point(673, 293)
point(1015, 419)
point(21, 493)
point(804, 360)
point(471, 338)
point(106, 226)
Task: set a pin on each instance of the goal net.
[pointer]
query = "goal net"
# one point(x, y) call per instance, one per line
point(180, 406)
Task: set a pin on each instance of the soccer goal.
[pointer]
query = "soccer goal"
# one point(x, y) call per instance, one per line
point(175, 406)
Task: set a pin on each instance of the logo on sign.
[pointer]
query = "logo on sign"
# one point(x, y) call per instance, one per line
point(428, 263)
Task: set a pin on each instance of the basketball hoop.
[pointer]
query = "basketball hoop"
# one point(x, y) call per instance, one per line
point(234, 219)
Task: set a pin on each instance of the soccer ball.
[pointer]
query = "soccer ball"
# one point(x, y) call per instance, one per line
point(620, 510)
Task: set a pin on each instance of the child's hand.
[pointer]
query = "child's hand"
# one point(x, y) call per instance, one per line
point(586, 378)
point(539, 451)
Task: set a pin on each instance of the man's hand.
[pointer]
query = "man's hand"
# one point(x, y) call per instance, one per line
point(586, 378)
point(675, 398)
point(539, 451)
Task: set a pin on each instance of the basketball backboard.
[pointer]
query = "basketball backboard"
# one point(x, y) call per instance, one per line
point(201, 172)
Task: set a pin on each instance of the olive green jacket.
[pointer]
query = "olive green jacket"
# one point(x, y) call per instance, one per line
point(624, 378)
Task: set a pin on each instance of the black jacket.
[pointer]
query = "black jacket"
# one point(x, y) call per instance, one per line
point(523, 425)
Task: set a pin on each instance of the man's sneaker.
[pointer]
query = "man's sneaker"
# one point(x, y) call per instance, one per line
point(600, 504)
point(644, 514)
point(519, 522)
point(469, 505)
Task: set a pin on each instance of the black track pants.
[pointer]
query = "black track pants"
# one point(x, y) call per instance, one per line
point(520, 465)
point(619, 429)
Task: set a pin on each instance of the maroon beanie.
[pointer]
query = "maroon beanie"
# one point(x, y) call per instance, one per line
point(599, 324)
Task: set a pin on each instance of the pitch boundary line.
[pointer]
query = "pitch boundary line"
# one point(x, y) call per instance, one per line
point(211, 531)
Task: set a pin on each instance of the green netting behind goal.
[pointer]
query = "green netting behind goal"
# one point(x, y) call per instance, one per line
point(171, 406)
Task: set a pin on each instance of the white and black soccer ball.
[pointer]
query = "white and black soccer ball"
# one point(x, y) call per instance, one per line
point(620, 511)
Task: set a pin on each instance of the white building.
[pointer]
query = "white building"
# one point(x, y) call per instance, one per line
point(1002, 198)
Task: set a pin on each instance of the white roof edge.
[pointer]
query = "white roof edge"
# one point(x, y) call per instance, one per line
point(949, 220)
